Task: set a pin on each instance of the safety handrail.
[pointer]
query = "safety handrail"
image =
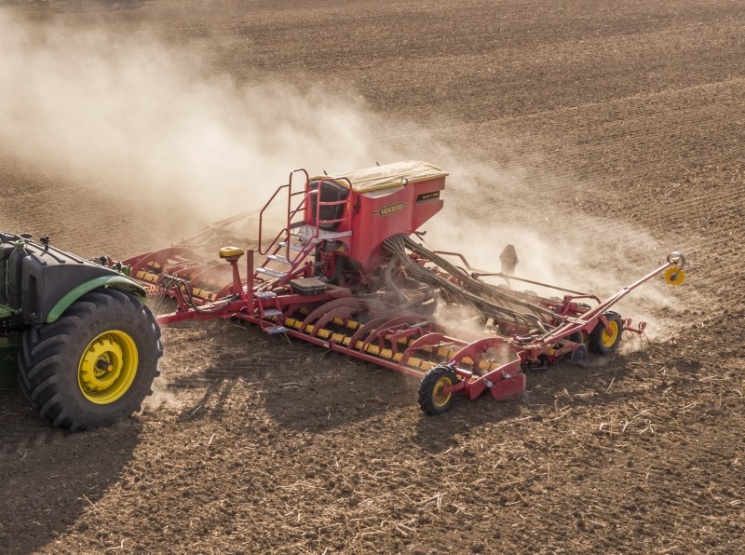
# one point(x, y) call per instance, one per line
point(347, 213)
point(307, 195)
point(318, 222)
point(290, 214)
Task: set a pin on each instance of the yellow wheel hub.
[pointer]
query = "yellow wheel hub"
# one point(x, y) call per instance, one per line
point(610, 334)
point(439, 397)
point(674, 276)
point(108, 367)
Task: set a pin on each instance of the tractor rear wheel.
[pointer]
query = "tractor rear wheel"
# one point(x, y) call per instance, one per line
point(604, 341)
point(93, 366)
point(432, 399)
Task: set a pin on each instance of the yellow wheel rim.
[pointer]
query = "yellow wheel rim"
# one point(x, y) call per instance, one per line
point(610, 334)
point(674, 276)
point(439, 397)
point(108, 367)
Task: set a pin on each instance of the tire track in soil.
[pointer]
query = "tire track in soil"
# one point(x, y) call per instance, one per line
point(23, 430)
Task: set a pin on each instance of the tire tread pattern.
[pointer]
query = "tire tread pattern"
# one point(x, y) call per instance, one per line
point(596, 344)
point(41, 363)
point(427, 386)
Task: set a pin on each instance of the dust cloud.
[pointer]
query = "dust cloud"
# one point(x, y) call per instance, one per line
point(138, 117)
point(556, 243)
point(160, 397)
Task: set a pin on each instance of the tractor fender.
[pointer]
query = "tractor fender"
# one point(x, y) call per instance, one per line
point(120, 282)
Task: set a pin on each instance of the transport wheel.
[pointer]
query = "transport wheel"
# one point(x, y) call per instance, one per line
point(604, 341)
point(93, 366)
point(432, 399)
point(579, 355)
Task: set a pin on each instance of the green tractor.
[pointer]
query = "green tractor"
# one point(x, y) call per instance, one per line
point(77, 334)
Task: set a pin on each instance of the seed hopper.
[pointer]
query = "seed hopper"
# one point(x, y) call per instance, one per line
point(347, 271)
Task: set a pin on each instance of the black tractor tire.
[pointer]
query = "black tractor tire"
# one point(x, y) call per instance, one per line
point(93, 366)
point(431, 398)
point(25, 386)
point(602, 343)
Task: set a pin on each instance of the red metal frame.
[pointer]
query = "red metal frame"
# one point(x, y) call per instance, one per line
point(338, 318)
point(504, 381)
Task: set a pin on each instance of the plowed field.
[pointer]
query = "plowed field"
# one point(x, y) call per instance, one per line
point(595, 136)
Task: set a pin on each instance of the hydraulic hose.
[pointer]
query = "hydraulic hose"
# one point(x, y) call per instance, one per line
point(486, 299)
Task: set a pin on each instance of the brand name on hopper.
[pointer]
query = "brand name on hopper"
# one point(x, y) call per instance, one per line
point(390, 209)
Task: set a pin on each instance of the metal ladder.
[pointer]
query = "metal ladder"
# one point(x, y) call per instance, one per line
point(286, 257)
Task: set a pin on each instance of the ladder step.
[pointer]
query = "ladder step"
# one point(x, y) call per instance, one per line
point(307, 233)
point(270, 272)
point(272, 312)
point(265, 295)
point(273, 330)
point(303, 230)
point(278, 258)
point(293, 246)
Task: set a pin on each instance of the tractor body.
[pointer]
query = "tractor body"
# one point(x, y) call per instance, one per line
point(74, 333)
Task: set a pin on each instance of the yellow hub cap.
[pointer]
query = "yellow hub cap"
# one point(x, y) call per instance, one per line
point(610, 334)
point(674, 276)
point(108, 367)
point(439, 397)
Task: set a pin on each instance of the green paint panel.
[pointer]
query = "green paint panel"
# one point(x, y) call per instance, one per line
point(9, 348)
point(6, 311)
point(117, 281)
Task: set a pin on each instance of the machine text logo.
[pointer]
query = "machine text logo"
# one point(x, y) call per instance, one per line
point(428, 196)
point(390, 209)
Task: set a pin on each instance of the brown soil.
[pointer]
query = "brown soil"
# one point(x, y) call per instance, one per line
point(255, 444)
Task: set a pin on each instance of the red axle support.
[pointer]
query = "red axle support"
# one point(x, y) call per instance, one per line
point(509, 387)
point(587, 321)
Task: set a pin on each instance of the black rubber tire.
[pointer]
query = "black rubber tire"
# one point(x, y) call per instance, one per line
point(599, 340)
point(50, 360)
point(579, 355)
point(23, 383)
point(429, 389)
